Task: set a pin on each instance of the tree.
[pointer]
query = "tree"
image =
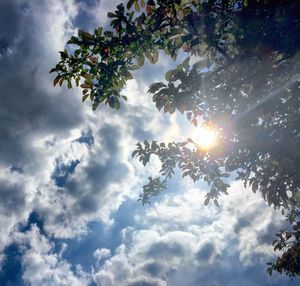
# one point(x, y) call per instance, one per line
point(240, 78)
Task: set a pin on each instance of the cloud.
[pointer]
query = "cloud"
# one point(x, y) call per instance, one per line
point(101, 253)
point(195, 251)
point(72, 166)
point(43, 267)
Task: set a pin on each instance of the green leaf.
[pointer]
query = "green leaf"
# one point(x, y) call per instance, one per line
point(73, 40)
point(69, 84)
point(84, 35)
point(141, 60)
point(98, 31)
point(85, 96)
point(136, 6)
point(297, 197)
point(156, 86)
point(61, 81)
point(185, 63)
point(130, 3)
point(87, 76)
point(143, 3)
point(128, 75)
point(117, 104)
point(108, 34)
point(77, 80)
point(168, 75)
point(85, 85)
point(111, 15)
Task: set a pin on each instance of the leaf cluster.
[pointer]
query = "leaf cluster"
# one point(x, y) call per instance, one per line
point(241, 72)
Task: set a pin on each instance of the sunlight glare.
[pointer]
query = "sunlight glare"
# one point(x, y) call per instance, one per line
point(206, 137)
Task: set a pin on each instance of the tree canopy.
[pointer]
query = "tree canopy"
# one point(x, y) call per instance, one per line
point(240, 78)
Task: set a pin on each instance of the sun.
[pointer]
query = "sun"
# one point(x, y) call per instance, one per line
point(206, 137)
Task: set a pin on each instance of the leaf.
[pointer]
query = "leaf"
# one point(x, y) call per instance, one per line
point(185, 63)
point(141, 60)
point(77, 80)
point(195, 122)
point(64, 54)
point(73, 40)
point(108, 34)
point(69, 84)
point(136, 6)
point(87, 76)
point(61, 81)
point(128, 75)
point(85, 85)
point(255, 186)
point(55, 81)
point(297, 197)
point(206, 202)
point(134, 153)
point(84, 35)
point(168, 75)
point(143, 3)
point(154, 57)
point(216, 203)
point(124, 97)
point(148, 56)
point(98, 31)
point(111, 15)
point(156, 86)
point(130, 3)
point(85, 96)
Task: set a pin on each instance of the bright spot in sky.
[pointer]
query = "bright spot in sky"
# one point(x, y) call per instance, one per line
point(205, 137)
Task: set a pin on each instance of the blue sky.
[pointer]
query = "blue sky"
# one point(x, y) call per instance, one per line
point(69, 187)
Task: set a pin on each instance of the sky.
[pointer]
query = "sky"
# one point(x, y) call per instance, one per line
point(69, 187)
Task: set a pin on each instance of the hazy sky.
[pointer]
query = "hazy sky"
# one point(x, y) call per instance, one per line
point(69, 187)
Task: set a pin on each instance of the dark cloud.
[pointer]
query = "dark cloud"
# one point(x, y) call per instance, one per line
point(31, 110)
point(165, 249)
point(84, 19)
point(242, 223)
point(206, 252)
point(12, 198)
point(27, 108)
point(268, 234)
point(155, 269)
point(11, 14)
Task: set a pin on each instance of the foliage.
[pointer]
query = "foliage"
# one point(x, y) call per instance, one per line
point(241, 75)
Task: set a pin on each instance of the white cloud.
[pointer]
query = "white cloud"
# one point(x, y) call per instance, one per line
point(43, 267)
point(182, 236)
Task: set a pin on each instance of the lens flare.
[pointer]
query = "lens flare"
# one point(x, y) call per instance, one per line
point(206, 137)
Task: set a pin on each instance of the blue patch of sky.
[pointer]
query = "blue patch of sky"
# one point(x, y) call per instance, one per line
point(86, 138)
point(100, 236)
point(63, 171)
point(11, 272)
point(16, 169)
